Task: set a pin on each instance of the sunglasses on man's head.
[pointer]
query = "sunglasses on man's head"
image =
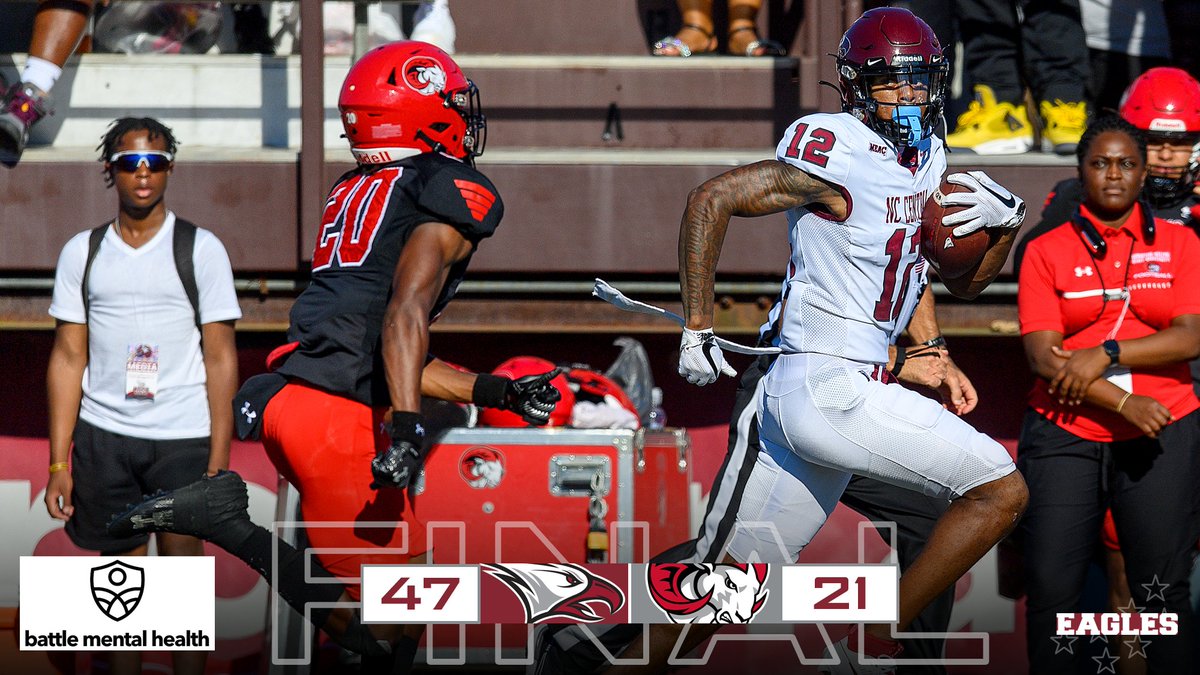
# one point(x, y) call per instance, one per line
point(129, 160)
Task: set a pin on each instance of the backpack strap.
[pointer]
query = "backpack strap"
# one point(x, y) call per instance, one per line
point(94, 240)
point(183, 244)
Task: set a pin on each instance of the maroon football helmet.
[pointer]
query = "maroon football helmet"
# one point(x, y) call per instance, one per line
point(410, 97)
point(891, 45)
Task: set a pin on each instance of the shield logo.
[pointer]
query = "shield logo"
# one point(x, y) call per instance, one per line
point(117, 588)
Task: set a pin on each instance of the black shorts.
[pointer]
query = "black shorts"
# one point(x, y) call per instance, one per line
point(111, 471)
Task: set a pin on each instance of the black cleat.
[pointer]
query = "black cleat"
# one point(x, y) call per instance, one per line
point(198, 510)
point(20, 107)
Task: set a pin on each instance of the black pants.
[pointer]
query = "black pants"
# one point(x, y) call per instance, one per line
point(1008, 43)
point(914, 514)
point(1151, 486)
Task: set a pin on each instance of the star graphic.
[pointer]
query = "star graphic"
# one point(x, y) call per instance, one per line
point(1155, 589)
point(1131, 608)
point(1099, 638)
point(1060, 647)
point(1105, 662)
point(1137, 647)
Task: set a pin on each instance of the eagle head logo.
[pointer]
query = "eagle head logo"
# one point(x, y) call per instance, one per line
point(482, 467)
point(707, 593)
point(559, 591)
point(424, 75)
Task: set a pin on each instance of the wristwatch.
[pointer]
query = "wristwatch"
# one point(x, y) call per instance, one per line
point(1113, 350)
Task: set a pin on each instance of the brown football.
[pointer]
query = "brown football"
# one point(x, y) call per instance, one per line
point(951, 256)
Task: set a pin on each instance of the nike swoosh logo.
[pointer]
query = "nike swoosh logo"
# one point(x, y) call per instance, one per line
point(1010, 201)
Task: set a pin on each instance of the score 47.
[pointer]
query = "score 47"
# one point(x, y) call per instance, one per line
point(420, 594)
point(841, 593)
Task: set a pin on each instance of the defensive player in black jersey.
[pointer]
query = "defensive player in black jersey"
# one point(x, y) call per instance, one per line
point(339, 414)
point(1165, 104)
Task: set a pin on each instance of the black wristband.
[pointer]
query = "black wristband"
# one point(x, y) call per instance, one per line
point(490, 391)
point(899, 364)
point(407, 426)
point(939, 341)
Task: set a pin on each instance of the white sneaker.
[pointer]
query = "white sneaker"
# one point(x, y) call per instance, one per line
point(432, 23)
point(848, 661)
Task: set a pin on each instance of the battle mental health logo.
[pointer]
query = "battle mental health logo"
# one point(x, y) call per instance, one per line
point(117, 588)
point(707, 593)
point(559, 591)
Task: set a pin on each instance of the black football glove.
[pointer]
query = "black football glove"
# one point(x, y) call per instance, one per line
point(533, 397)
point(397, 466)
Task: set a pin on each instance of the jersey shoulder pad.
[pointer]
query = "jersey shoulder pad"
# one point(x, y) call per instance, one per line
point(458, 195)
point(822, 145)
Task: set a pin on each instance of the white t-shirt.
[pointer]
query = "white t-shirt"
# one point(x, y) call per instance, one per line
point(136, 298)
point(852, 285)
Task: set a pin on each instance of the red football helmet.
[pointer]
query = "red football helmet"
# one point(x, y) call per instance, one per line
point(518, 367)
point(407, 98)
point(892, 45)
point(1165, 103)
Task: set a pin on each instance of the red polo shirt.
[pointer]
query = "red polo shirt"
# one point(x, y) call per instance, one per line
point(1062, 289)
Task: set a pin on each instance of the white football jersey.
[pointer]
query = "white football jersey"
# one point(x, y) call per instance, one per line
point(852, 285)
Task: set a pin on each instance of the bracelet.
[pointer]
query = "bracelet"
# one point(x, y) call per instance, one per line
point(1123, 399)
point(58, 466)
point(939, 341)
point(899, 364)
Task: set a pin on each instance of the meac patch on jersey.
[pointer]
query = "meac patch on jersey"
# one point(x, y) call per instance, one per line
point(459, 195)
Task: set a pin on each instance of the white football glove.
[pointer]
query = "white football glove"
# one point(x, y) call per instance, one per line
point(989, 204)
point(700, 359)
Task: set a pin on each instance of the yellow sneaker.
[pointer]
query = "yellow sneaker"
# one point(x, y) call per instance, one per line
point(1064, 124)
point(991, 128)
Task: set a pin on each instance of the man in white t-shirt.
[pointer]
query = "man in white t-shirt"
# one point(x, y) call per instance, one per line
point(144, 365)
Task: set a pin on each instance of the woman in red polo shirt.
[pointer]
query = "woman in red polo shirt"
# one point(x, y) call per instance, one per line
point(1109, 304)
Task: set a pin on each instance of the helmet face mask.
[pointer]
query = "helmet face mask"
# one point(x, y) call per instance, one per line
point(892, 75)
point(407, 98)
point(1165, 103)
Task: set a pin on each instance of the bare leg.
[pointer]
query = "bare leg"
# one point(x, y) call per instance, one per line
point(697, 30)
point(127, 663)
point(968, 529)
point(57, 30)
point(743, 15)
point(185, 663)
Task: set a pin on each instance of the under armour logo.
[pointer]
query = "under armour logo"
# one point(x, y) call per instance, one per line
point(249, 414)
point(1085, 271)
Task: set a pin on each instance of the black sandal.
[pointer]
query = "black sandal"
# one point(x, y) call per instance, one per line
point(768, 47)
point(681, 47)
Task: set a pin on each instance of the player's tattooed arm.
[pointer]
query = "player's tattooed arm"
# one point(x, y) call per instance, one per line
point(420, 274)
point(758, 189)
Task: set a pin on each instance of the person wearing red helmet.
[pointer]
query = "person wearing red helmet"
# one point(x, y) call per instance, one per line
point(339, 415)
point(1165, 104)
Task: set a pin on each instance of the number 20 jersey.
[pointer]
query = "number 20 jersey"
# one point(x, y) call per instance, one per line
point(852, 285)
point(369, 216)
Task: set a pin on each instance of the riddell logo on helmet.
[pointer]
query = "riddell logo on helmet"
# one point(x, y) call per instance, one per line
point(908, 58)
point(424, 75)
point(1161, 124)
point(378, 157)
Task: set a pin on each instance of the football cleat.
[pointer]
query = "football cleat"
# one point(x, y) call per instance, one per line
point(198, 509)
point(990, 127)
point(1063, 125)
point(23, 105)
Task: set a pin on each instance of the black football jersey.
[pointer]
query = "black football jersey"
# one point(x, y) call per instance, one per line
point(369, 215)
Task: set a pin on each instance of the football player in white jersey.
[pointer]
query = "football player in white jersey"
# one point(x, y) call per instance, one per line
point(853, 185)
